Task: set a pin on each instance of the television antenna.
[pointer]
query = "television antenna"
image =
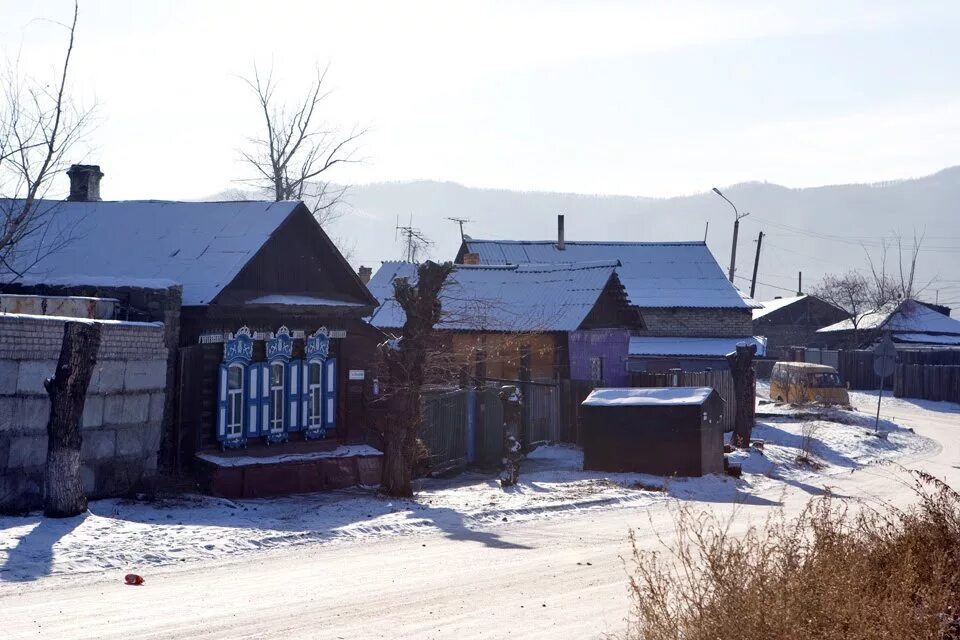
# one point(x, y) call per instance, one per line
point(461, 222)
point(415, 239)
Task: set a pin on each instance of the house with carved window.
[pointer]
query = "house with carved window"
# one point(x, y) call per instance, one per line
point(267, 375)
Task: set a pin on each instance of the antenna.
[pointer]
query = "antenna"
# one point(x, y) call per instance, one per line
point(460, 221)
point(416, 240)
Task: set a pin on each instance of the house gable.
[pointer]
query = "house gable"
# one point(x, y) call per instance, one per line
point(297, 265)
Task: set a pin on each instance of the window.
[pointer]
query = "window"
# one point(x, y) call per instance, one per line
point(315, 391)
point(234, 401)
point(825, 381)
point(276, 396)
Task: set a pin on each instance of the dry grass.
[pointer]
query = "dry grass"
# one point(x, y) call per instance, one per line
point(831, 573)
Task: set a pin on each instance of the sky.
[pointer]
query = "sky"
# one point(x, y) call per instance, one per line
point(636, 98)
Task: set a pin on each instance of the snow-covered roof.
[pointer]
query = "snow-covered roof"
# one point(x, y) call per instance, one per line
point(775, 305)
point(200, 245)
point(927, 338)
point(908, 316)
point(526, 297)
point(381, 283)
point(650, 396)
point(655, 274)
point(692, 347)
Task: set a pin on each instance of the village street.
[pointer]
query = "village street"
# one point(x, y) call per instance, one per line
point(542, 578)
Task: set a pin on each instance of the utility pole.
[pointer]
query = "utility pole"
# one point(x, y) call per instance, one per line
point(706, 230)
point(756, 264)
point(736, 232)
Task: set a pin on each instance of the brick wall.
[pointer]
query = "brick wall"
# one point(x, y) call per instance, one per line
point(122, 418)
point(716, 323)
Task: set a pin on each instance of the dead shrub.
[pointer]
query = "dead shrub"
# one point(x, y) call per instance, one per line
point(833, 572)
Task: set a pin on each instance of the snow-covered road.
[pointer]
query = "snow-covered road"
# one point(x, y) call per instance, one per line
point(533, 578)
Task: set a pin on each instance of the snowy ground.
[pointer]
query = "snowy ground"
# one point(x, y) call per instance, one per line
point(125, 535)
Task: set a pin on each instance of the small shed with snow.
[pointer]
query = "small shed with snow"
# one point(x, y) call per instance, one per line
point(674, 431)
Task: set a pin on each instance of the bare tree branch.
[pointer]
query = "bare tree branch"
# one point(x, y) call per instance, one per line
point(298, 148)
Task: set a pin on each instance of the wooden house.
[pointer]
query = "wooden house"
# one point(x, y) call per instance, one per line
point(794, 322)
point(539, 318)
point(264, 318)
point(690, 311)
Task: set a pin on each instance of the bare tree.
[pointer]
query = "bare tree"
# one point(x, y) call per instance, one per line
point(297, 147)
point(39, 125)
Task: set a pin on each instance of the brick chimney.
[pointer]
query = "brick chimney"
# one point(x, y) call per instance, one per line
point(84, 182)
point(365, 273)
point(561, 245)
point(471, 258)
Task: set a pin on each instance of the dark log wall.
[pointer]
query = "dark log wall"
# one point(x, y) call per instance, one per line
point(296, 260)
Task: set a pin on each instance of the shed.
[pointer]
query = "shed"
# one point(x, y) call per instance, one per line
point(675, 431)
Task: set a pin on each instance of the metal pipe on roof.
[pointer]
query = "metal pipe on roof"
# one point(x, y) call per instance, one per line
point(561, 245)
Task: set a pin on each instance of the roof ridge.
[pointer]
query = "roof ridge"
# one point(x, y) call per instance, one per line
point(597, 242)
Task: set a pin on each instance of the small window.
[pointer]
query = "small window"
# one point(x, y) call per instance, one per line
point(234, 401)
point(315, 391)
point(277, 371)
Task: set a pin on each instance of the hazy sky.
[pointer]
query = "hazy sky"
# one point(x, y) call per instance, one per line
point(640, 98)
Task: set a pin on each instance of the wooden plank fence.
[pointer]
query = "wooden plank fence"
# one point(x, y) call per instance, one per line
point(722, 381)
point(928, 382)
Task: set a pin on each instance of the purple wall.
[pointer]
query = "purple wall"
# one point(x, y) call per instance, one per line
point(608, 344)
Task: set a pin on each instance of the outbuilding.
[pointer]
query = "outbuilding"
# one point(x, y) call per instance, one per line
point(675, 431)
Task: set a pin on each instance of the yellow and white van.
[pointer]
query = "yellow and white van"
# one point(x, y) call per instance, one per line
point(806, 382)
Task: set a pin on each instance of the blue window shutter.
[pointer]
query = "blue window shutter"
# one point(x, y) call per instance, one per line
point(330, 394)
point(222, 404)
point(252, 400)
point(264, 396)
point(292, 414)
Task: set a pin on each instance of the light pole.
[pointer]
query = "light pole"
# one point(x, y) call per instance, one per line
point(736, 232)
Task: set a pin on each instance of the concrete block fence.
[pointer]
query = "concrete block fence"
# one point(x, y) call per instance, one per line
point(122, 417)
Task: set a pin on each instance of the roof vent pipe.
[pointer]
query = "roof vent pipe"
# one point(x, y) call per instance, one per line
point(561, 245)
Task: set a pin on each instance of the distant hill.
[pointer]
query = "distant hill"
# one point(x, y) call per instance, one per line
point(813, 230)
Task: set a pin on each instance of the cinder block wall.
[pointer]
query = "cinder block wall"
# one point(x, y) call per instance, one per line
point(699, 323)
point(122, 416)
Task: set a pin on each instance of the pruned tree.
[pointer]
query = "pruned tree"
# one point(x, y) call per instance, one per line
point(39, 125)
point(63, 495)
point(405, 360)
point(744, 388)
point(297, 147)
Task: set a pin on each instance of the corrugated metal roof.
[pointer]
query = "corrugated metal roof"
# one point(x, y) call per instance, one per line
point(527, 297)
point(692, 347)
point(908, 316)
point(200, 245)
point(655, 274)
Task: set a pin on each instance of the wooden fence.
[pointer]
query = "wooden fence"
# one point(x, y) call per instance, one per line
point(722, 381)
point(927, 381)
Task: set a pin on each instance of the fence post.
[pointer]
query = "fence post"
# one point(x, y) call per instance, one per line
point(524, 376)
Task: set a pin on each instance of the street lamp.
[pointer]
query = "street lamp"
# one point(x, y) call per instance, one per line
point(736, 232)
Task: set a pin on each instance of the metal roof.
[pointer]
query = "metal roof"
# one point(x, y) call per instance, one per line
point(652, 346)
point(655, 274)
point(526, 297)
point(908, 316)
point(200, 245)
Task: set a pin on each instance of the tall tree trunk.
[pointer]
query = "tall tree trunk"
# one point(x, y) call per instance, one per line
point(63, 495)
point(744, 388)
point(405, 360)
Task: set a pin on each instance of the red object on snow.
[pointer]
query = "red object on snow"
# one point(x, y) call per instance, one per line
point(134, 579)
